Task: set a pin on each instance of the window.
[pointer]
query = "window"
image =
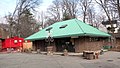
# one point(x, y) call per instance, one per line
point(63, 26)
point(94, 39)
point(15, 41)
point(48, 29)
point(20, 40)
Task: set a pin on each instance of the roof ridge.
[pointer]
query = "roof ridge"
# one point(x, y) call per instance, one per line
point(80, 26)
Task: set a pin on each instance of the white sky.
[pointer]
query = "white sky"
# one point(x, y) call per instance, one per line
point(45, 5)
point(7, 6)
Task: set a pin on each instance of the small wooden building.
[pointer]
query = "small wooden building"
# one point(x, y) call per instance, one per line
point(3, 34)
point(73, 35)
point(27, 45)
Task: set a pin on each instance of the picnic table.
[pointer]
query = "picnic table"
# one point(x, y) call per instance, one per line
point(90, 55)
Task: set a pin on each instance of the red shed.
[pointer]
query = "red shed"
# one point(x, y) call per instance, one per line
point(14, 42)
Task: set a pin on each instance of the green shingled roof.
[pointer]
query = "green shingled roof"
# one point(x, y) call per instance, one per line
point(73, 27)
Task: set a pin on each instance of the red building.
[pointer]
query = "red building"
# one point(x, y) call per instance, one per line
point(12, 43)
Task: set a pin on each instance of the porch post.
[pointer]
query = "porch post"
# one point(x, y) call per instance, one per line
point(49, 40)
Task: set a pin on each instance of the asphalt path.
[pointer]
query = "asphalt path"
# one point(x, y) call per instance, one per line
point(23, 60)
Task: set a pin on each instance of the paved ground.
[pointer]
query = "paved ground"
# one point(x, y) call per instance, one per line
point(18, 60)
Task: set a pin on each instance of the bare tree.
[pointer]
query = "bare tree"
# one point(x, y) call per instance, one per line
point(11, 22)
point(70, 9)
point(85, 5)
point(63, 10)
point(27, 24)
point(118, 7)
point(55, 10)
point(91, 15)
point(22, 7)
point(22, 11)
point(42, 18)
point(115, 5)
point(105, 5)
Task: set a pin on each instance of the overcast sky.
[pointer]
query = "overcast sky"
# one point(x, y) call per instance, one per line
point(7, 6)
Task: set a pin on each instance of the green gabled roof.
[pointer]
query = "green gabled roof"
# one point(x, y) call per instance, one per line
point(74, 27)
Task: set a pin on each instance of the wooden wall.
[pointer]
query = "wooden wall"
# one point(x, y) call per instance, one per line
point(42, 45)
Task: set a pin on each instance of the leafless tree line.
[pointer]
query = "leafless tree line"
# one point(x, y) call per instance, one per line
point(22, 22)
point(69, 9)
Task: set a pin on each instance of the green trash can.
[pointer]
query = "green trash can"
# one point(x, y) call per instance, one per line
point(107, 47)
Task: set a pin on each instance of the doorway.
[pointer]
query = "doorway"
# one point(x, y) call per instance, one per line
point(64, 43)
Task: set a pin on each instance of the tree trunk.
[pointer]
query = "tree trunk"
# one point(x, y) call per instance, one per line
point(84, 17)
point(118, 7)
